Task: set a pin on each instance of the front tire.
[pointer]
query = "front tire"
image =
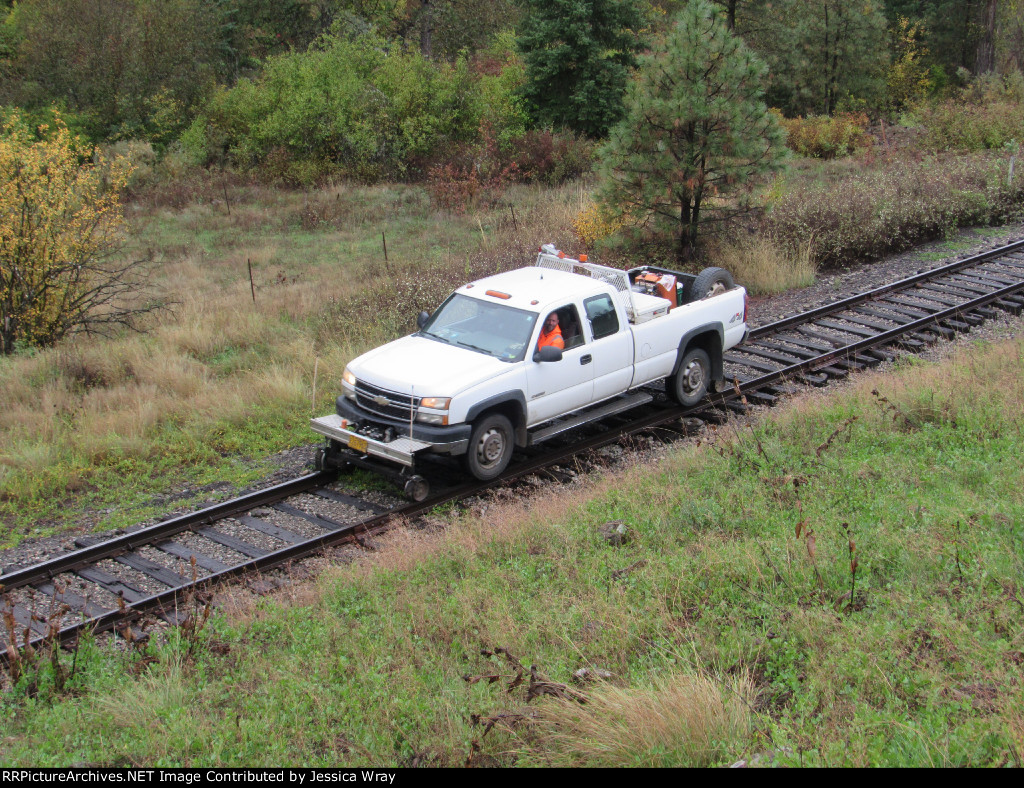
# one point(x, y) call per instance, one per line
point(689, 385)
point(490, 447)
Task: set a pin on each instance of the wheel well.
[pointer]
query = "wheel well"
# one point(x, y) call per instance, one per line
point(711, 343)
point(511, 411)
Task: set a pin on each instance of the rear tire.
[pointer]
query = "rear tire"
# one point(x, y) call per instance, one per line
point(710, 281)
point(490, 447)
point(689, 385)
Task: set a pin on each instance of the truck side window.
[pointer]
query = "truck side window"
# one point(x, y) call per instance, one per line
point(601, 313)
point(569, 321)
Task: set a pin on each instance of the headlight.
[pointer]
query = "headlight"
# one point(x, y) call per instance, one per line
point(348, 384)
point(435, 404)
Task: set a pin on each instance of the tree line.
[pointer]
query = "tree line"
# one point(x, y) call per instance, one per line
point(145, 69)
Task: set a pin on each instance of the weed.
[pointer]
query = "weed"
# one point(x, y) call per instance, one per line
point(764, 265)
point(197, 607)
point(679, 718)
point(891, 205)
point(34, 664)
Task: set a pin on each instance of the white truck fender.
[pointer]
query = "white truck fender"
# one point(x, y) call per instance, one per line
point(716, 336)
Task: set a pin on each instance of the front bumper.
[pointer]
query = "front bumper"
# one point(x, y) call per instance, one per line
point(402, 449)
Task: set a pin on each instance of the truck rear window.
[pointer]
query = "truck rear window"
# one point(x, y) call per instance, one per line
point(601, 313)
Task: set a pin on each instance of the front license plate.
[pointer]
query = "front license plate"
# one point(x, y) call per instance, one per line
point(356, 443)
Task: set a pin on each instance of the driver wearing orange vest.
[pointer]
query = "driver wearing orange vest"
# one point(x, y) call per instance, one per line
point(551, 334)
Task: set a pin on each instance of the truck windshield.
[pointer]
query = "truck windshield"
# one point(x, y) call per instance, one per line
point(494, 329)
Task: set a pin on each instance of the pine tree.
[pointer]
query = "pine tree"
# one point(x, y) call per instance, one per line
point(578, 54)
point(823, 54)
point(696, 128)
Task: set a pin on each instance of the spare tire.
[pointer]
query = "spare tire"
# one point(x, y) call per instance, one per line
point(710, 281)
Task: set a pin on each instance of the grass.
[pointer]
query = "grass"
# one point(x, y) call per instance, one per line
point(732, 622)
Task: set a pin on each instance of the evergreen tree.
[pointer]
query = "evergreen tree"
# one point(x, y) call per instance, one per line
point(823, 53)
point(578, 54)
point(696, 127)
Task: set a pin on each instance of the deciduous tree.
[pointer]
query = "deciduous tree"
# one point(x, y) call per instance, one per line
point(60, 232)
point(696, 132)
point(129, 68)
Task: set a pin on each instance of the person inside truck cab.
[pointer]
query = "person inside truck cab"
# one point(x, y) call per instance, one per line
point(551, 334)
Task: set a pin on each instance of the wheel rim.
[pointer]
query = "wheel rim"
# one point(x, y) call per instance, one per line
point(491, 448)
point(693, 378)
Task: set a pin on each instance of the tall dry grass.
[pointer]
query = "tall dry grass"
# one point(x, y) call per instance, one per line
point(763, 265)
point(681, 718)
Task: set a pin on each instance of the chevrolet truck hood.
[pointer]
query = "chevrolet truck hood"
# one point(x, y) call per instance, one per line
point(435, 369)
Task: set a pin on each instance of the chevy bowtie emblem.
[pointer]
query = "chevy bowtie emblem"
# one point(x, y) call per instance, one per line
point(380, 400)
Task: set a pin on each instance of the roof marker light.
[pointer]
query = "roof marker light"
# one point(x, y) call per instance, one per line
point(498, 294)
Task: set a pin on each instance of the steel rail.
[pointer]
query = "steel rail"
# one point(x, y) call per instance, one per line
point(69, 562)
point(871, 295)
point(882, 338)
point(169, 602)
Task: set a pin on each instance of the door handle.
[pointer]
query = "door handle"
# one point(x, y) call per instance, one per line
point(586, 359)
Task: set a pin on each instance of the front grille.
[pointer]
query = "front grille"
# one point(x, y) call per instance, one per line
point(394, 406)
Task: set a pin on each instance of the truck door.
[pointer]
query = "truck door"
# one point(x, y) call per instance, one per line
point(559, 387)
point(612, 347)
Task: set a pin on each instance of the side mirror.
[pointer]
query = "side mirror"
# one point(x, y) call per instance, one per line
point(422, 318)
point(548, 353)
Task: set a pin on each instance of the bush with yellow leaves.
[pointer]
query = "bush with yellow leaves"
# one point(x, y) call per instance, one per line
point(60, 239)
point(593, 224)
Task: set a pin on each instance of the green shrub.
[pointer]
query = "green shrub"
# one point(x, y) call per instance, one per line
point(357, 107)
point(950, 125)
point(498, 75)
point(885, 209)
point(823, 137)
point(987, 115)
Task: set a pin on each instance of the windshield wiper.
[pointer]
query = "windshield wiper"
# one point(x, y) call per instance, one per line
point(475, 347)
point(434, 336)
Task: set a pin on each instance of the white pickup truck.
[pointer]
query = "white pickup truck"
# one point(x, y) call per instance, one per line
point(473, 382)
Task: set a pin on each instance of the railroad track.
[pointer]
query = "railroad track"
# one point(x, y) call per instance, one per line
point(158, 570)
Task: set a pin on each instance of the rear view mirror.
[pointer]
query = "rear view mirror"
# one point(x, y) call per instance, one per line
point(422, 318)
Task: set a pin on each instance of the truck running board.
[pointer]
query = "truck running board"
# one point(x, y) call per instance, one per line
point(617, 405)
